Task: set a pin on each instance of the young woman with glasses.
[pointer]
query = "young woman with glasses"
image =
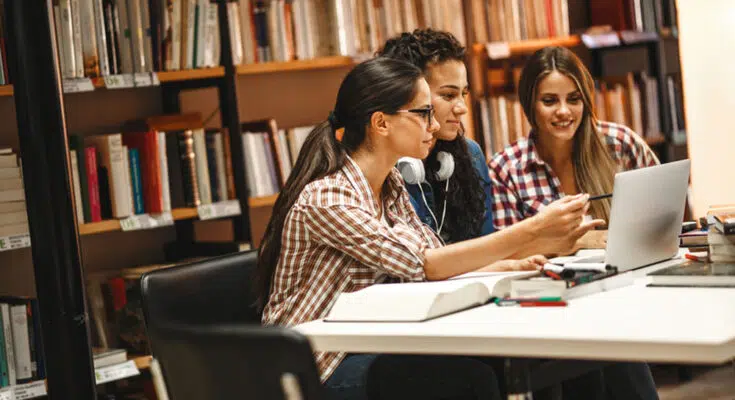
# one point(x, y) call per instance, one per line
point(343, 222)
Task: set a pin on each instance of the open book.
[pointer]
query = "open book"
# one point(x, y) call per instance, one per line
point(411, 302)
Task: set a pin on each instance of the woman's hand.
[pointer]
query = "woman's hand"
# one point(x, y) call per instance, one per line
point(561, 224)
point(533, 263)
point(593, 240)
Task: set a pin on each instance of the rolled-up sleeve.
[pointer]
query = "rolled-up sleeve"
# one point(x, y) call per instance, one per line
point(349, 226)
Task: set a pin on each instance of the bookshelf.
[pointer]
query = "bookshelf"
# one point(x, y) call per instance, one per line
point(6, 90)
point(523, 47)
point(267, 201)
point(300, 65)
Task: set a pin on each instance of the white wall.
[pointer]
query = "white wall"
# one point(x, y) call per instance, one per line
point(707, 50)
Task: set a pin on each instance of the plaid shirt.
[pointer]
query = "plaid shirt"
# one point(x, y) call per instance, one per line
point(522, 182)
point(334, 242)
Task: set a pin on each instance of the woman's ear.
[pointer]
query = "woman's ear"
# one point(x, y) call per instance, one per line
point(380, 123)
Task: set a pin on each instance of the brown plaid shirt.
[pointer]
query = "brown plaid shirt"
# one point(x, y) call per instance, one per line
point(522, 182)
point(334, 242)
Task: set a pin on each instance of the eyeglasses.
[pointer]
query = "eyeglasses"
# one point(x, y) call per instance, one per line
point(426, 112)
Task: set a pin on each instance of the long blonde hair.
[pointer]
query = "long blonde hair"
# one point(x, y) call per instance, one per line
point(594, 167)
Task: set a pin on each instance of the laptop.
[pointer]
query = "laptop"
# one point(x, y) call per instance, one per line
point(645, 217)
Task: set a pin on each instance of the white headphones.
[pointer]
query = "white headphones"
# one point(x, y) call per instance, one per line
point(413, 173)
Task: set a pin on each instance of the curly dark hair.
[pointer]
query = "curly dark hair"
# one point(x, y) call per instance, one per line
point(465, 197)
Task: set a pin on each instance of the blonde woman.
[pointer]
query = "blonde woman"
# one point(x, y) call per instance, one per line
point(568, 150)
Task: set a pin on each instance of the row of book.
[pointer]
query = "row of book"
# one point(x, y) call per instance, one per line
point(514, 20)
point(281, 30)
point(269, 155)
point(110, 37)
point(21, 349)
point(13, 216)
point(119, 175)
point(634, 15)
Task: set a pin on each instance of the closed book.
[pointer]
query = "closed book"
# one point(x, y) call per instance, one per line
point(188, 168)
point(212, 166)
point(582, 284)
point(175, 176)
point(696, 274)
point(420, 301)
point(202, 167)
point(110, 156)
point(77, 144)
point(136, 181)
point(3, 357)
point(7, 328)
point(93, 188)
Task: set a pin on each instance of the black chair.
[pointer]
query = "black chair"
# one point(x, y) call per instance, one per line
point(237, 362)
point(205, 332)
point(212, 291)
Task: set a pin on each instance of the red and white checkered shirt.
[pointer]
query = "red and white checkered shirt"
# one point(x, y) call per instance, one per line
point(522, 182)
point(333, 241)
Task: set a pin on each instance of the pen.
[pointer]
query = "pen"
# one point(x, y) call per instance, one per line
point(551, 274)
point(519, 299)
point(530, 303)
point(600, 196)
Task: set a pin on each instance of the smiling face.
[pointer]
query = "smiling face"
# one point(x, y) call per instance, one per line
point(449, 91)
point(559, 107)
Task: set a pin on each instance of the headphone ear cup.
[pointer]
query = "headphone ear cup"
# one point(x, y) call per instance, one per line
point(412, 170)
point(446, 166)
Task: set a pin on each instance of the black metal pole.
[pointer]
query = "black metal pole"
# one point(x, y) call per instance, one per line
point(57, 262)
point(231, 120)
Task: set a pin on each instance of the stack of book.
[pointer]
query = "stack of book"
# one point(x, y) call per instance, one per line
point(721, 236)
point(149, 170)
point(13, 217)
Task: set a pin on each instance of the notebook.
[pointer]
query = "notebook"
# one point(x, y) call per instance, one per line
point(420, 301)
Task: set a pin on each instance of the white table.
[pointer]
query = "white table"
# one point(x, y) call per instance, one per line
point(634, 323)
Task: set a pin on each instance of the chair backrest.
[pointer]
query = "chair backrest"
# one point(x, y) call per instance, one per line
point(213, 291)
point(238, 362)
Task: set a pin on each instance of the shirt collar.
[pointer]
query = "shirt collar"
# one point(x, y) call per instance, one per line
point(392, 187)
point(530, 155)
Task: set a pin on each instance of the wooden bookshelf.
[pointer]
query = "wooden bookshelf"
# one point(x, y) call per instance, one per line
point(112, 225)
point(191, 74)
point(529, 46)
point(267, 201)
point(300, 65)
point(655, 140)
point(6, 90)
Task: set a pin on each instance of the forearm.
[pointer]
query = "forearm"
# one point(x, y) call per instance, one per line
point(458, 258)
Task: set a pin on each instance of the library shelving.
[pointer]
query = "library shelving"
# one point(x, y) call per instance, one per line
point(299, 65)
point(6, 90)
point(262, 201)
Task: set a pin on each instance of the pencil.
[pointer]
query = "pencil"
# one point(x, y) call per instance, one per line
point(600, 196)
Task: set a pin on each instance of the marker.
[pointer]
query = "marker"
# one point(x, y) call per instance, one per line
point(543, 304)
point(551, 274)
point(600, 197)
point(519, 299)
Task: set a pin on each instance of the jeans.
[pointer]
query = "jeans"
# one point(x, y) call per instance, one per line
point(384, 376)
point(387, 376)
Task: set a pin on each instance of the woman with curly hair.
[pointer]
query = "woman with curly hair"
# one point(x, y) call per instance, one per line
point(460, 207)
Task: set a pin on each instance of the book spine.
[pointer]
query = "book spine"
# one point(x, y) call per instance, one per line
point(188, 168)
point(113, 41)
point(99, 23)
point(19, 321)
point(3, 358)
point(37, 342)
point(68, 69)
point(90, 156)
point(79, 206)
point(147, 34)
point(77, 39)
point(9, 347)
point(88, 34)
point(136, 180)
point(221, 169)
point(124, 37)
point(228, 165)
point(163, 171)
point(202, 168)
point(212, 166)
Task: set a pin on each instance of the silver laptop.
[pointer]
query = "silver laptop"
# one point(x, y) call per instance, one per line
point(645, 217)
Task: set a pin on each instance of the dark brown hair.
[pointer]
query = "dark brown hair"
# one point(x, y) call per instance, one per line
point(377, 85)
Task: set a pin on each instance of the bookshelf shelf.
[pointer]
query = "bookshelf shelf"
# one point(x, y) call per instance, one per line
point(6, 90)
point(267, 201)
point(112, 225)
point(300, 65)
point(529, 46)
point(187, 75)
